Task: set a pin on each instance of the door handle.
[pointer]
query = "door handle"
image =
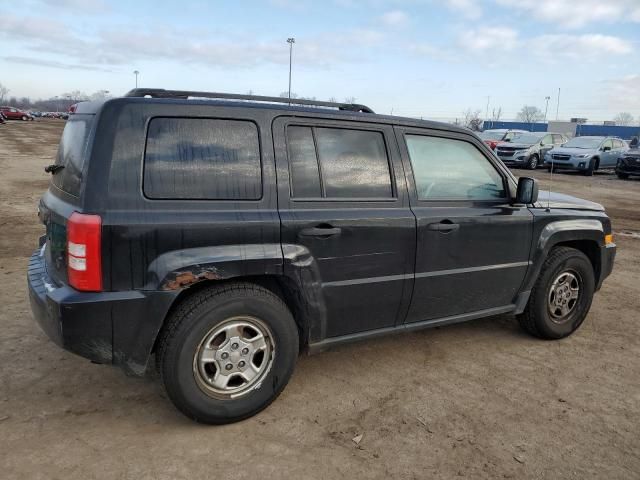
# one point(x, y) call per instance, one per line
point(321, 231)
point(444, 226)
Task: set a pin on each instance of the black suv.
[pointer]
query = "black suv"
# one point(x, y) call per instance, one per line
point(629, 163)
point(220, 234)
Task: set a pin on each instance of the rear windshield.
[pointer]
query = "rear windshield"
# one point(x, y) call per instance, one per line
point(71, 154)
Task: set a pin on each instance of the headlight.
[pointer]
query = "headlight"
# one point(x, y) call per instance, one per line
point(582, 155)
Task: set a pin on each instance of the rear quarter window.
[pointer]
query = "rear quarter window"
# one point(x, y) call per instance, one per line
point(202, 159)
point(72, 152)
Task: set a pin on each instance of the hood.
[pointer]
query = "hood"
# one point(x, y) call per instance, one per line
point(560, 200)
point(633, 152)
point(574, 150)
point(517, 146)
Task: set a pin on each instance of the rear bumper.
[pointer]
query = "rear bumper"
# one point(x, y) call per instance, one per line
point(105, 327)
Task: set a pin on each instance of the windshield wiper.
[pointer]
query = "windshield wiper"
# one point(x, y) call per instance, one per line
point(53, 168)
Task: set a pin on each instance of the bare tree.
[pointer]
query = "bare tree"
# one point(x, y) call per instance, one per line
point(3, 91)
point(333, 100)
point(350, 100)
point(472, 120)
point(623, 119)
point(496, 114)
point(530, 114)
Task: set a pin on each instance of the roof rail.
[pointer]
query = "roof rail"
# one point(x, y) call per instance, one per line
point(162, 93)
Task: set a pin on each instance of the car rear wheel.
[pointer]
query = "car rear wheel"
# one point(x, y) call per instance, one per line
point(622, 176)
point(533, 162)
point(227, 352)
point(562, 295)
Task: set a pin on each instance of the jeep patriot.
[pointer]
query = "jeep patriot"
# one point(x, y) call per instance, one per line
point(214, 236)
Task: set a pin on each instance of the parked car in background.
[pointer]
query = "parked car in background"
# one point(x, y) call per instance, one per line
point(2, 118)
point(629, 163)
point(586, 154)
point(495, 136)
point(12, 113)
point(528, 149)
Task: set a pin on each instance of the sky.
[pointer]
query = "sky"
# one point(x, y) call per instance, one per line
point(421, 58)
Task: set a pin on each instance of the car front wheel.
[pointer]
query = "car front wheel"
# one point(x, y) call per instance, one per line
point(227, 352)
point(533, 162)
point(562, 295)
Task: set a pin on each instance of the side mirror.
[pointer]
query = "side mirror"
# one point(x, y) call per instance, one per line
point(606, 149)
point(527, 190)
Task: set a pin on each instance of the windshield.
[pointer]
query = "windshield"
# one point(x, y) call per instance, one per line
point(528, 138)
point(491, 135)
point(584, 142)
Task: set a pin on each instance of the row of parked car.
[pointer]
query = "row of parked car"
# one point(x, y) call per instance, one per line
point(12, 113)
point(587, 154)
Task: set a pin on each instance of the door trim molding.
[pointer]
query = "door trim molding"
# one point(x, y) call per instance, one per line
point(407, 327)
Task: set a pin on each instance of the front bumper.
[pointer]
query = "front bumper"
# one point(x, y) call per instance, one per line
point(607, 258)
point(628, 166)
point(581, 164)
point(104, 327)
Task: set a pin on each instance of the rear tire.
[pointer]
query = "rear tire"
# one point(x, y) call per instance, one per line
point(206, 355)
point(551, 312)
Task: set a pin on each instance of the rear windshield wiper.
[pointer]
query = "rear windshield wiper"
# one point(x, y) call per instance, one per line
point(53, 168)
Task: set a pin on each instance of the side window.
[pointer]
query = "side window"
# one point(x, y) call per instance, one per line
point(450, 169)
point(617, 144)
point(547, 140)
point(338, 163)
point(607, 143)
point(557, 139)
point(508, 136)
point(202, 159)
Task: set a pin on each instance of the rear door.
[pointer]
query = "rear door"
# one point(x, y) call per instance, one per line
point(473, 247)
point(608, 156)
point(342, 196)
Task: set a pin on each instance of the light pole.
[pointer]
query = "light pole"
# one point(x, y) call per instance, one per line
point(546, 107)
point(486, 116)
point(558, 105)
point(136, 73)
point(56, 101)
point(290, 41)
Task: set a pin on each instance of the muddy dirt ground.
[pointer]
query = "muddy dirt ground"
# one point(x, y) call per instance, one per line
point(478, 400)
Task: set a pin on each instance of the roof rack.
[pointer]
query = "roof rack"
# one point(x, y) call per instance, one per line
point(162, 93)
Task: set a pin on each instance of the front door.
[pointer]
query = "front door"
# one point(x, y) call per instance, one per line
point(473, 247)
point(342, 196)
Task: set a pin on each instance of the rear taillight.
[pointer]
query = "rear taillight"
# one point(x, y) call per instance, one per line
point(84, 262)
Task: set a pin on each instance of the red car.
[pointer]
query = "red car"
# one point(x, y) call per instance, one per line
point(12, 113)
point(495, 136)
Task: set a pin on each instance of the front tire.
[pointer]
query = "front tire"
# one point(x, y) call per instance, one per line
point(227, 352)
point(532, 164)
point(24, 118)
point(561, 297)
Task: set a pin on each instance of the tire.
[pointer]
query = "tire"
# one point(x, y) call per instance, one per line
point(540, 317)
point(187, 366)
point(24, 118)
point(593, 166)
point(622, 176)
point(532, 164)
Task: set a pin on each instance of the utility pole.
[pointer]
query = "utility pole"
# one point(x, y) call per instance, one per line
point(136, 72)
point(547, 98)
point(558, 105)
point(486, 116)
point(290, 41)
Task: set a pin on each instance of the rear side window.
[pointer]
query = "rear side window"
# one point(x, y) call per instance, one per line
point(202, 159)
point(72, 153)
point(338, 163)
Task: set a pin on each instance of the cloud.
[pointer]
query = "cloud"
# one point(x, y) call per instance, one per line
point(489, 39)
point(394, 18)
point(577, 14)
point(469, 8)
point(579, 47)
point(623, 93)
point(51, 64)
